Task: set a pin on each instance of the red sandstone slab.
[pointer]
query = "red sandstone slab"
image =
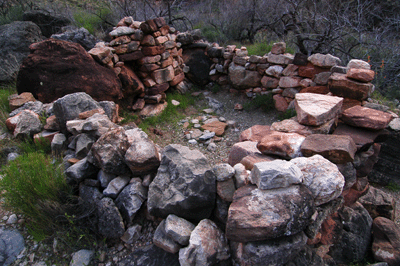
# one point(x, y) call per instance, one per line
point(359, 116)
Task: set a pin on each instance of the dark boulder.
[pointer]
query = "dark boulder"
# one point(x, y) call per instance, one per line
point(56, 68)
point(199, 64)
point(15, 39)
point(47, 22)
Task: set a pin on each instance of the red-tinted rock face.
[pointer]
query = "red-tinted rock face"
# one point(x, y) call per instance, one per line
point(56, 68)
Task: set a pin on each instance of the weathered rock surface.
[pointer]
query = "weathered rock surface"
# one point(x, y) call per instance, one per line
point(215, 126)
point(184, 185)
point(254, 133)
point(56, 68)
point(17, 100)
point(286, 145)
point(80, 171)
point(275, 174)
point(316, 109)
point(95, 126)
point(142, 157)
point(131, 199)
point(15, 39)
point(115, 186)
point(379, 203)
point(82, 257)
point(25, 124)
point(269, 252)
point(362, 75)
point(335, 148)
point(11, 245)
point(258, 214)
point(110, 222)
point(321, 177)
point(365, 117)
point(164, 241)
point(207, 246)
point(352, 242)
point(240, 150)
point(108, 152)
point(47, 22)
point(35, 106)
point(386, 242)
point(325, 61)
point(242, 78)
point(341, 86)
point(81, 36)
point(199, 65)
point(178, 229)
point(223, 172)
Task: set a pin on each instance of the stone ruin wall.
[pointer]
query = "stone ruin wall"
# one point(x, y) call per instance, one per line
point(150, 57)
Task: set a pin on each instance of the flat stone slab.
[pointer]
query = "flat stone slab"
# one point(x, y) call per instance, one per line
point(338, 149)
point(341, 86)
point(315, 109)
point(359, 116)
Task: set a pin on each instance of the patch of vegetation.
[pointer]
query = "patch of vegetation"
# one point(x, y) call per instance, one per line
point(172, 114)
point(264, 102)
point(34, 186)
point(92, 22)
point(30, 146)
point(393, 186)
point(5, 92)
point(378, 97)
point(289, 113)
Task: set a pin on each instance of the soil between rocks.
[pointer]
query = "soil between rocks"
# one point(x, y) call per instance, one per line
point(50, 253)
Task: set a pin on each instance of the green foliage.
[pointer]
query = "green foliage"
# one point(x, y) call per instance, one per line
point(264, 102)
point(210, 33)
point(5, 92)
point(14, 13)
point(384, 100)
point(92, 22)
point(289, 113)
point(41, 145)
point(34, 186)
point(393, 186)
point(171, 114)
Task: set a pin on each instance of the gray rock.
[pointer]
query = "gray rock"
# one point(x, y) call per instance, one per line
point(108, 152)
point(355, 238)
point(12, 156)
point(322, 60)
point(221, 211)
point(378, 203)
point(35, 106)
point(178, 229)
point(13, 219)
point(83, 144)
point(110, 109)
point(110, 223)
point(207, 246)
point(150, 256)
point(81, 36)
point(216, 105)
point(15, 39)
point(11, 244)
point(275, 71)
point(80, 171)
point(142, 157)
point(258, 214)
point(70, 106)
point(82, 257)
point(119, 31)
point(184, 185)
point(206, 136)
point(242, 78)
point(27, 125)
point(276, 174)
point(223, 171)
point(132, 234)
point(270, 252)
point(307, 256)
point(321, 177)
point(164, 241)
point(90, 195)
point(395, 124)
point(349, 173)
point(131, 199)
point(96, 125)
point(115, 186)
point(105, 178)
point(58, 144)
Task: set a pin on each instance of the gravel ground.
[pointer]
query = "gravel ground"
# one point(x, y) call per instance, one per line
point(53, 253)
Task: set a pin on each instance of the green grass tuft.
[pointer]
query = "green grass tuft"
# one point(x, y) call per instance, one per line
point(5, 92)
point(393, 186)
point(34, 186)
point(289, 113)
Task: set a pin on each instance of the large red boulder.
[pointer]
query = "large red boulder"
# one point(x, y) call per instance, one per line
point(56, 68)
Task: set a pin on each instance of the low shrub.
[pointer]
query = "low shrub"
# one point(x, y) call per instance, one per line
point(5, 92)
point(289, 113)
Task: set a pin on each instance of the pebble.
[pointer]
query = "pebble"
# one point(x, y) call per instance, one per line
point(196, 125)
point(194, 121)
point(13, 219)
point(212, 146)
point(222, 119)
point(208, 111)
point(175, 102)
point(193, 141)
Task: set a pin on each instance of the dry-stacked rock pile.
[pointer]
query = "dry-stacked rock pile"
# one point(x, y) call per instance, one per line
point(145, 56)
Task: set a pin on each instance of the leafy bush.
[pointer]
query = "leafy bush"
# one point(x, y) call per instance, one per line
point(92, 22)
point(34, 186)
